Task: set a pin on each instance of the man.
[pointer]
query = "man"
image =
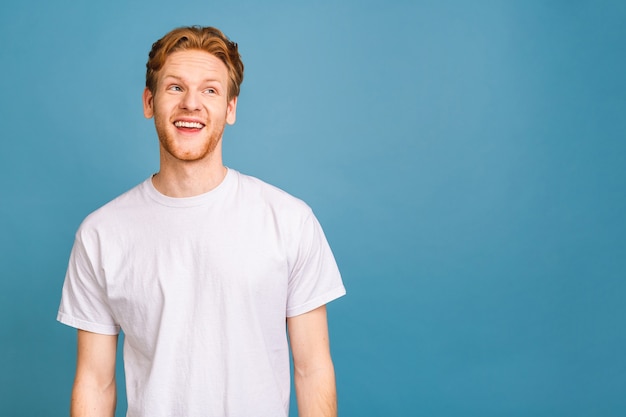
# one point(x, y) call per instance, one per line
point(204, 269)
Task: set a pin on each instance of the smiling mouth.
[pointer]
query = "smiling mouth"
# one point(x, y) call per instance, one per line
point(188, 125)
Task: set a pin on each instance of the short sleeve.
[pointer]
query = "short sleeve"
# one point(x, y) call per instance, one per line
point(314, 278)
point(83, 301)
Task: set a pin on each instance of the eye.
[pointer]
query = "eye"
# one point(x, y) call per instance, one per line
point(174, 88)
point(210, 91)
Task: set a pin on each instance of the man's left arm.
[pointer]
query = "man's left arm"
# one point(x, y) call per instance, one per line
point(314, 374)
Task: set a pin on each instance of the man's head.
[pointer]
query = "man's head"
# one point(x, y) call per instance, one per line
point(207, 39)
point(192, 86)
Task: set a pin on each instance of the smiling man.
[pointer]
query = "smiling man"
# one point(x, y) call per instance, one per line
point(204, 269)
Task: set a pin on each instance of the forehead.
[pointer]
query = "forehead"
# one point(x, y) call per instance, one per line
point(194, 64)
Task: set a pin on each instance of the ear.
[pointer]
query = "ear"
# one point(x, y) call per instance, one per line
point(231, 111)
point(148, 103)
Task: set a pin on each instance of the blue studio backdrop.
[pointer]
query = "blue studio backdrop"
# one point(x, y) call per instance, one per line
point(467, 161)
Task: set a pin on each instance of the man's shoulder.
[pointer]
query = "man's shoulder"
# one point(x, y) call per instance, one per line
point(113, 210)
point(266, 193)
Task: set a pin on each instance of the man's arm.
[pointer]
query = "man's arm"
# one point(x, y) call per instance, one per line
point(94, 393)
point(314, 373)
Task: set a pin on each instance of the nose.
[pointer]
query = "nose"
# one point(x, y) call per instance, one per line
point(190, 101)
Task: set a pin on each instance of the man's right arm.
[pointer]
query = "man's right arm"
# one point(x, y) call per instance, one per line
point(94, 393)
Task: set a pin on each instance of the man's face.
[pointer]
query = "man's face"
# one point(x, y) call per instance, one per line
point(190, 105)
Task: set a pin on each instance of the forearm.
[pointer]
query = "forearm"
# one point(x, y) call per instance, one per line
point(316, 392)
point(89, 400)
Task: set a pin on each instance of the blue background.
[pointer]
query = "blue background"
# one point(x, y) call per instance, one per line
point(466, 159)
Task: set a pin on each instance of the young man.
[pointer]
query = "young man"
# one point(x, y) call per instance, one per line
point(200, 266)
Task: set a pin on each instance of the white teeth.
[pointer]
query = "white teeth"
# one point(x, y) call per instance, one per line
point(191, 125)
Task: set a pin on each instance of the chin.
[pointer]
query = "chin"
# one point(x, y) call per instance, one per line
point(190, 155)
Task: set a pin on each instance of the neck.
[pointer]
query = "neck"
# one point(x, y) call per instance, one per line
point(188, 178)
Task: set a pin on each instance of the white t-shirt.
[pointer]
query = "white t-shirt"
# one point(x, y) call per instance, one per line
point(201, 288)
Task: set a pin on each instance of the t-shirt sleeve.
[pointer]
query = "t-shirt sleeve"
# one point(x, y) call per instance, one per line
point(83, 301)
point(314, 276)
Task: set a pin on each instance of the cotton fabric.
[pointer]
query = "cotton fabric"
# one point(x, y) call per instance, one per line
point(201, 288)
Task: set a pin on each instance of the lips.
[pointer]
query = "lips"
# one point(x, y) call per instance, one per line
point(188, 124)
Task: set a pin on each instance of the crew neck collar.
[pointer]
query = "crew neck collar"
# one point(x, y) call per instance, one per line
point(195, 200)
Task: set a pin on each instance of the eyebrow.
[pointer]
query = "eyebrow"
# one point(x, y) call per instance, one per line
point(176, 77)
